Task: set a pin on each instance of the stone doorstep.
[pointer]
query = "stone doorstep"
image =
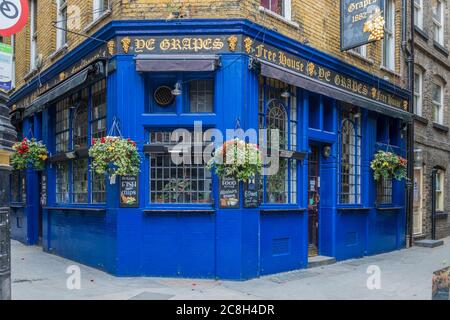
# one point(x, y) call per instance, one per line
point(320, 261)
point(429, 243)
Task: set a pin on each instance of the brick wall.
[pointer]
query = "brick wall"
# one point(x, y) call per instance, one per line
point(315, 23)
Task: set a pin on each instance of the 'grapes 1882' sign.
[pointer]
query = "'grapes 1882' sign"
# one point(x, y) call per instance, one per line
point(13, 16)
point(362, 22)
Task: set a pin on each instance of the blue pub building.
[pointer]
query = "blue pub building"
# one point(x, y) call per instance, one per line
point(324, 201)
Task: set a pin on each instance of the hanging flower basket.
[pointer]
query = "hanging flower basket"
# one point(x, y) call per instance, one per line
point(236, 158)
point(115, 156)
point(388, 165)
point(29, 154)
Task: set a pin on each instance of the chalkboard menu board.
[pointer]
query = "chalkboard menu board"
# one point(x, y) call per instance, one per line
point(251, 193)
point(129, 196)
point(229, 193)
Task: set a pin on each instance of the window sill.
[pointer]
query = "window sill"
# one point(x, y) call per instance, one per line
point(18, 205)
point(286, 210)
point(166, 210)
point(422, 33)
point(279, 17)
point(92, 25)
point(390, 71)
point(439, 47)
point(59, 52)
point(421, 119)
point(361, 57)
point(354, 209)
point(440, 127)
point(30, 74)
point(387, 207)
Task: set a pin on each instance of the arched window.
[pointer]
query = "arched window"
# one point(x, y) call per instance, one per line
point(278, 111)
point(350, 159)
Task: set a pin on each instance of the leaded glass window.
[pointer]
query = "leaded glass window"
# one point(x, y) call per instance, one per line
point(278, 111)
point(80, 181)
point(62, 128)
point(98, 116)
point(62, 182)
point(384, 191)
point(201, 95)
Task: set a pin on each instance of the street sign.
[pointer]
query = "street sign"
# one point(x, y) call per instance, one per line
point(362, 22)
point(6, 60)
point(13, 16)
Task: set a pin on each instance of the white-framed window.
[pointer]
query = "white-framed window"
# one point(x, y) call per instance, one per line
point(280, 7)
point(33, 34)
point(100, 7)
point(438, 21)
point(61, 22)
point(389, 35)
point(418, 92)
point(418, 13)
point(361, 50)
point(440, 188)
point(438, 102)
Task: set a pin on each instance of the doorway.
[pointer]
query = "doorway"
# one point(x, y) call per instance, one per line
point(313, 200)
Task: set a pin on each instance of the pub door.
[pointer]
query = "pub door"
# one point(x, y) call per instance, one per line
point(313, 200)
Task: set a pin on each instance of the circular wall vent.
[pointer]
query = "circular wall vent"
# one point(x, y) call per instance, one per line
point(163, 96)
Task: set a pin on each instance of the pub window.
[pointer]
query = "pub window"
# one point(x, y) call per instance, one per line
point(62, 182)
point(418, 13)
point(280, 7)
point(438, 21)
point(389, 36)
point(440, 185)
point(350, 157)
point(100, 8)
point(277, 111)
point(384, 191)
point(177, 184)
point(201, 95)
point(438, 102)
point(62, 129)
point(73, 177)
point(418, 85)
point(80, 181)
point(61, 23)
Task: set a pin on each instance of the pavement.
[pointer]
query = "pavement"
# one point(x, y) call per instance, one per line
point(404, 275)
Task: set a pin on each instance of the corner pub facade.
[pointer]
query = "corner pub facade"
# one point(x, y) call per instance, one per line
point(332, 115)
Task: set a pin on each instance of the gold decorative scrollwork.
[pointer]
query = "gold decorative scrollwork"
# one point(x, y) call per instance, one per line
point(248, 45)
point(126, 44)
point(232, 43)
point(111, 47)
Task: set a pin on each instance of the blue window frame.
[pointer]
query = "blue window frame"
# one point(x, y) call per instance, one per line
point(350, 156)
point(77, 119)
point(278, 111)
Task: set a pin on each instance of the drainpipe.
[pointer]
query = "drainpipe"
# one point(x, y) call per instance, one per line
point(409, 56)
point(7, 137)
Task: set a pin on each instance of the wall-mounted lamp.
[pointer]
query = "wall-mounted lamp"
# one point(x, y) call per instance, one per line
point(326, 152)
point(177, 90)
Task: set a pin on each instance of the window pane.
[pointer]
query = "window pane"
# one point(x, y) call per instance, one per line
point(80, 127)
point(98, 188)
point(98, 116)
point(273, 5)
point(437, 93)
point(80, 181)
point(384, 191)
point(62, 125)
point(62, 183)
point(201, 95)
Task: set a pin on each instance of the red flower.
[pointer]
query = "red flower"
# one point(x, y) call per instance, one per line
point(133, 143)
point(103, 140)
point(94, 141)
